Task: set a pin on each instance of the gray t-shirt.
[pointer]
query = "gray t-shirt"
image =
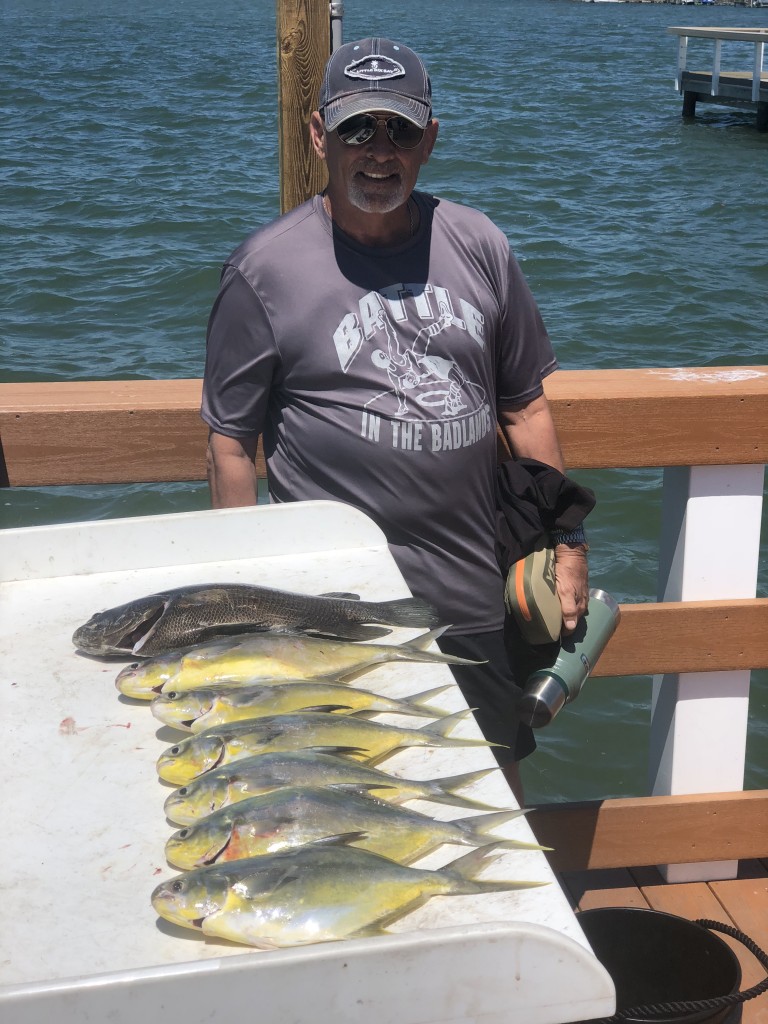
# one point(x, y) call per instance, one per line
point(374, 376)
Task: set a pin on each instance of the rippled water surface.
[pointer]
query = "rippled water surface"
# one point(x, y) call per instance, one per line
point(139, 146)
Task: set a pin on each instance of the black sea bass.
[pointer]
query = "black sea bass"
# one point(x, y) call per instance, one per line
point(185, 616)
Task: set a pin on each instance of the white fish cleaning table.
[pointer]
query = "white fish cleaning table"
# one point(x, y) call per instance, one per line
point(84, 829)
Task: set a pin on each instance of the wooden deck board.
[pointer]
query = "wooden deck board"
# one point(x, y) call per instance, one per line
point(736, 76)
point(741, 902)
point(611, 887)
point(654, 830)
point(694, 900)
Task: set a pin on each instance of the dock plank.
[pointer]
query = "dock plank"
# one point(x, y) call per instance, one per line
point(611, 887)
point(654, 830)
point(694, 900)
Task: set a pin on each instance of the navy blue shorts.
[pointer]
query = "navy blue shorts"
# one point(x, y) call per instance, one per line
point(492, 691)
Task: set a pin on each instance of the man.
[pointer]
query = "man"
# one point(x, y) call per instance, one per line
point(374, 336)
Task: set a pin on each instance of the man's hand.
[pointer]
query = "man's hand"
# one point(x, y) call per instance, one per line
point(572, 580)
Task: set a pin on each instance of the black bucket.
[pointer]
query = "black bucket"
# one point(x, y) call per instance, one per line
point(654, 958)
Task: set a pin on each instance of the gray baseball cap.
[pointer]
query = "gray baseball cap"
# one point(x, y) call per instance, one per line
point(375, 74)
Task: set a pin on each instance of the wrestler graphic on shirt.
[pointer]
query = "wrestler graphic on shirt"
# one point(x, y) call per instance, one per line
point(439, 380)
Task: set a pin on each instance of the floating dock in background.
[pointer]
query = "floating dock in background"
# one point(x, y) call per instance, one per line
point(747, 88)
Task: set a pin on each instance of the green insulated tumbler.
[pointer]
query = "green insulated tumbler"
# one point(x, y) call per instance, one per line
point(548, 689)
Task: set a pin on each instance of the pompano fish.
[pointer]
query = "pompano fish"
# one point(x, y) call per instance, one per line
point(295, 817)
point(270, 657)
point(183, 616)
point(264, 773)
point(317, 893)
point(195, 710)
point(302, 730)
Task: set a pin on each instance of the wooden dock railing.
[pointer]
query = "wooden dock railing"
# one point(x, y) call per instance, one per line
point(708, 428)
point(123, 431)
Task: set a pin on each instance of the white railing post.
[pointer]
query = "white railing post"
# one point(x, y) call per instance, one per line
point(709, 550)
point(716, 67)
point(757, 71)
point(682, 53)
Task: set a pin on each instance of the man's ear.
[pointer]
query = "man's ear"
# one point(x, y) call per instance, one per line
point(317, 133)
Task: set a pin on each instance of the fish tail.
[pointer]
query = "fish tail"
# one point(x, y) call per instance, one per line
point(440, 730)
point(416, 650)
point(444, 791)
point(477, 828)
point(408, 611)
point(417, 704)
point(464, 870)
point(420, 643)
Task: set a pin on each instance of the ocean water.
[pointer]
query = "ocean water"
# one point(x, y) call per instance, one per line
point(139, 147)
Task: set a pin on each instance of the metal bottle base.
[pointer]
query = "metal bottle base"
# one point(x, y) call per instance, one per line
point(539, 705)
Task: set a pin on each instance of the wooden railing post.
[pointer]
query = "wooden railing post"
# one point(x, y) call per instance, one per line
point(709, 549)
point(303, 47)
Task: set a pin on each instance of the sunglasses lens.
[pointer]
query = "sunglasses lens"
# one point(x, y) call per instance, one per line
point(361, 128)
point(403, 133)
point(355, 131)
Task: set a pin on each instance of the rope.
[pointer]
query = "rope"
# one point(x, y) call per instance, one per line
point(682, 1008)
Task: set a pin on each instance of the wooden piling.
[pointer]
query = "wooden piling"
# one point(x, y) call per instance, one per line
point(303, 47)
point(689, 104)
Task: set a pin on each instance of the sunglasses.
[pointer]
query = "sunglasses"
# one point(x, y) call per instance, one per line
point(361, 128)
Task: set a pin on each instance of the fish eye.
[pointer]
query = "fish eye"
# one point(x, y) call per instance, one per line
point(175, 751)
point(183, 791)
point(183, 833)
point(172, 695)
point(177, 886)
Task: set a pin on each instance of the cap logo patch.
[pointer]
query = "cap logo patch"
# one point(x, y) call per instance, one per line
point(374, 69)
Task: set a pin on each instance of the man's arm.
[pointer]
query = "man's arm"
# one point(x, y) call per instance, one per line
point(530, 433)
point(231, 470)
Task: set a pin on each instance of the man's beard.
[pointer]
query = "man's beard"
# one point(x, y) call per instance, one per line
point(366, 196)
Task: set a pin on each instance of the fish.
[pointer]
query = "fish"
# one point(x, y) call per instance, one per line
point(355, 737)
point(264, 773)
point(318, 893)
point(300, 815)
point(195, 710)
point(184, 616)
point(270, 657)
